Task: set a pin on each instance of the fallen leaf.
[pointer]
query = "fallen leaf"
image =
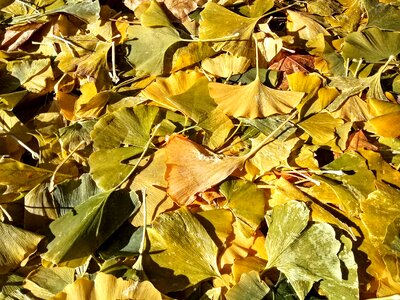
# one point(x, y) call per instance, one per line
point(180, 233)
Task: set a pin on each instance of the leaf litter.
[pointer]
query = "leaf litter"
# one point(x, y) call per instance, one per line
point(199, 149)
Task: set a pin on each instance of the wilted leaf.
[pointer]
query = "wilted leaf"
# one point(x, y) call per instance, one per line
point(175, 239)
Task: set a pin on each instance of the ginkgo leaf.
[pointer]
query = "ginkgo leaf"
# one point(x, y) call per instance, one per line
point(45, 283)
point(387, 125)
point(180, 250)
point(225, 65)
point(152, 180)
point(305, 27)
point(191, 54)
point(192, 169)
point(218, 22)
point(246, 201)
point(304, 255)
point(18, 245)
point(89, 225)
point(382, 15)
point(257, 8)
point(253, 100)
point(177, 83)
point(106, 286)
point(148, 47)
point(109, 167)
point(321, 127)
point(348, 18)
point(154, 16)
point(125, 126)
point(372, 45)
point(249, 287)
point(22, 177)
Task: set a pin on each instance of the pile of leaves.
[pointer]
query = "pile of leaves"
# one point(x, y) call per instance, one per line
point(199, 150)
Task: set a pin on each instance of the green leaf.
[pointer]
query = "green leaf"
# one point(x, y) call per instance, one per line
point(385, 16)
point(17, 245)
point(250, 287)
point(372, 45)
point(45, 283)
point(181, 252)
point(125, 126)
point(110, 166)
point(148, 47)
point(89, 225)
point(71, 193)
point(246, 201)
point(303, 255)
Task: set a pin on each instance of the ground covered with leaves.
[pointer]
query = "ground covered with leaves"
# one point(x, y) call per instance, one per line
point(191, 150)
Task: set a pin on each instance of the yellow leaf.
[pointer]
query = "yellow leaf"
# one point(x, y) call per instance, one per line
point(386, 125)
point(253, 100)
point(225, 65)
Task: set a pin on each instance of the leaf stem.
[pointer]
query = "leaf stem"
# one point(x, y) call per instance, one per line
point(146, 147)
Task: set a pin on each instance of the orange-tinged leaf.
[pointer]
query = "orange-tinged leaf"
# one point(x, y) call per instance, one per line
point(253, 100)
point(192, 169)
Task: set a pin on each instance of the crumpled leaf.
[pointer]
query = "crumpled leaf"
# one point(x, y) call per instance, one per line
point(304, 255)
point(90, 224)
point(188, 164)
point(249, 287)
point(174, 238)
point(18, 245)
point(348, 20)
point(253, 100)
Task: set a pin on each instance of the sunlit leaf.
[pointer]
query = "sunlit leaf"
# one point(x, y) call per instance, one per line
point(253, 100)
point(218, 22)
point(106, 286)
point(304, 255)
point(387, 125)
point(124, 126)
point(372, 45)
point(186, 171)
point(249, 287)
point(176, 238)
point(302, 25)
point(148, 47)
